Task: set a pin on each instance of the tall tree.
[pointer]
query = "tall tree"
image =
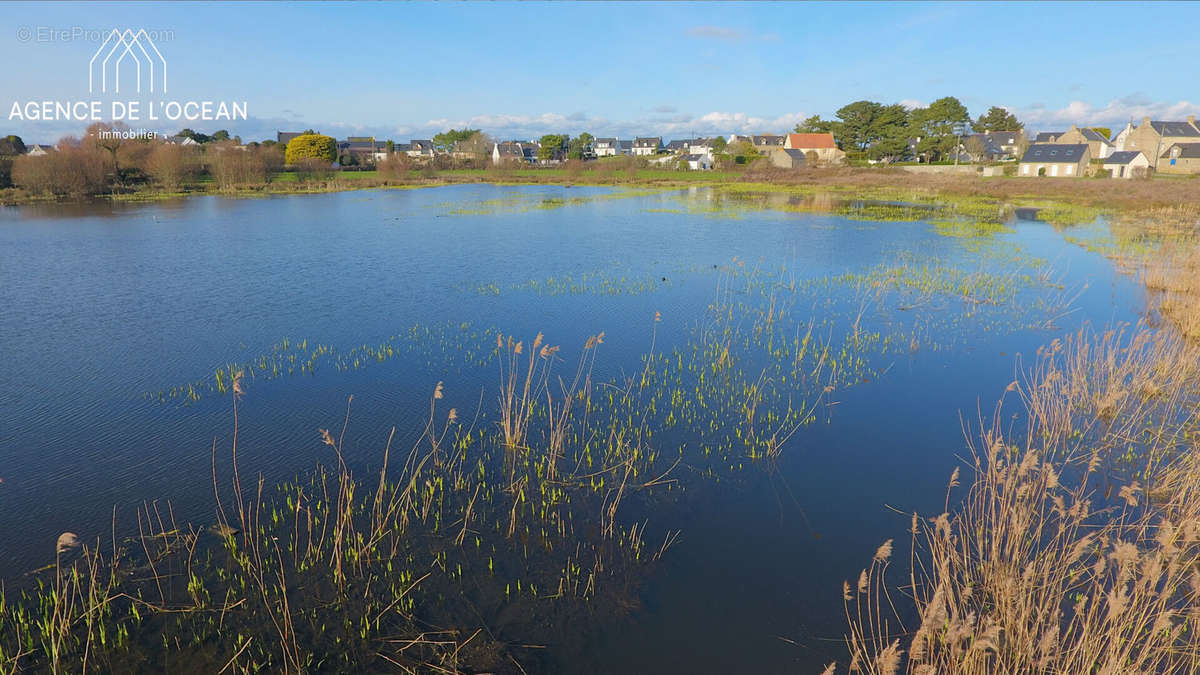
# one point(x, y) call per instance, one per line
point(857, 118)
point(814, 125)
point(889, 133)
point(445, 141)
point(578, 147)
point(939, 126)
point(552, 146)
point(998, 119)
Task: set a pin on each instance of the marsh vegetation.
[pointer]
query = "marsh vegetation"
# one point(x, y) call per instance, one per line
point(537, 486)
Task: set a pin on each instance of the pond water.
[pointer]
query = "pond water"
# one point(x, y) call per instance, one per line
point(116, 320)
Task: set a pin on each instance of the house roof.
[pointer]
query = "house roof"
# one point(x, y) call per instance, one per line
point(1048, 136)
point(1186, 150)
point(1055, 153)
point(647, 142)
point(677, 145)
point(793, 153)
point(606, 142)
point(693, 158)
point(1175, 129)
point(767, 139)
point(806, 141)
point(626, 145)
point(1122, 157)
point(1093, 135)
point(1001, 137)
point(401, 147)
point(285, 136)
point(509, 149)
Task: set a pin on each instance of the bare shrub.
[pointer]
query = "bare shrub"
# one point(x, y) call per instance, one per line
point(70, 170)
point(172, 165)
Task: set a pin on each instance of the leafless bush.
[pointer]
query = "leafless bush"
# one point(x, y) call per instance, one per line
point(172, 165)
point(71, 170)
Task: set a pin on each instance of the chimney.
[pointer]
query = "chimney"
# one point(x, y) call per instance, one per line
point(1145, 120)
point(1191, 120)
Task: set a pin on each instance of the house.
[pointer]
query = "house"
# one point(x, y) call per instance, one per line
point(1048, 137)
point(401, 148)
point(995, 145)
point(787, 158)
point(822, 144)
point(1122, 137)
point(1180, 158)
point(1056, 159)
point(421, 148)
point(1126, 164)
point(508, 151)
point(363, 148)
point(1100, 145)
point(698, 162)
point(647, 146)
point(284, 137)
point(179, 140)
point(37, 150)
point(607, 147)
point(764, 142)
point(1153, 138)
point(626, 147)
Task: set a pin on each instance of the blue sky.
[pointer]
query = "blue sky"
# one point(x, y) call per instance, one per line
point(405, 70)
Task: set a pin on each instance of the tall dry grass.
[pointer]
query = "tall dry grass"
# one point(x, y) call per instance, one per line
point(1076, 548)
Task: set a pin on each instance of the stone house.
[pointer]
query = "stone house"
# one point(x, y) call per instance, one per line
point(822, 144)
point(1099, 144)
point(787, 158)
point(1153, 138)
point(1048, 137)
point(1055, 159)
point(1126, 164)
point(1180, 158)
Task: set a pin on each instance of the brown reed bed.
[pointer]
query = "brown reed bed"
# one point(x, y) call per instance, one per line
point(1077, 544)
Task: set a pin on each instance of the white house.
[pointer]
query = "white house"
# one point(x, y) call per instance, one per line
point(37, 150)
point(698, 162)
point(647, 146)
point(607, 147)
point(1126, 164)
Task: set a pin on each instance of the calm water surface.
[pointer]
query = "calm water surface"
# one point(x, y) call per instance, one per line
point(110, 311)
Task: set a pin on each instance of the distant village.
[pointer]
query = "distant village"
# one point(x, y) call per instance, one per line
point(1151, 146)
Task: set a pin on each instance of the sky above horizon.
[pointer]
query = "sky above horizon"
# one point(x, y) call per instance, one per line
point(409, 70)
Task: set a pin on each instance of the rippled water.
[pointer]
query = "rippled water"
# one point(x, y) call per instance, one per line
point(115, 319)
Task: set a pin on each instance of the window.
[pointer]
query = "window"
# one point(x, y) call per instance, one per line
point(1070, 169)
point(1025, 169)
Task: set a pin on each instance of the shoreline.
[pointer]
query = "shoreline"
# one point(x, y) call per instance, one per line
point(883, 184)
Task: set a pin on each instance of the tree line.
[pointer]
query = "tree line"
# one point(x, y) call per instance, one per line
point(889, 132)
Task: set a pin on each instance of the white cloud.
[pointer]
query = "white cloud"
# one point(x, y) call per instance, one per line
point(912, 103)
point(1113, 114)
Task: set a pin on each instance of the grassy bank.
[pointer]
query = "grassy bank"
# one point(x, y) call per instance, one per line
point(874, 183)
